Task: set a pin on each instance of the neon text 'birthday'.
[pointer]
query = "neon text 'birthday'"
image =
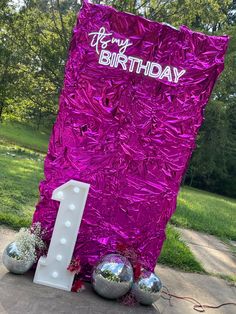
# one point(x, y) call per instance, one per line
point(101, 40)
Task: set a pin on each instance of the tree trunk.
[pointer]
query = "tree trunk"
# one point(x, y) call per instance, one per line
point(1, 109)
point(39, 119)
point(191, 178)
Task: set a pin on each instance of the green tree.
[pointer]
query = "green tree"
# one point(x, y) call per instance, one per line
point(213, 165)
point(8, 59)
point(39, 32)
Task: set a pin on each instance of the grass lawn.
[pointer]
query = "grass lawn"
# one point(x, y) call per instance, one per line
point(24, 136)
point(206, 212)
point(176, 254)
point(21, 171)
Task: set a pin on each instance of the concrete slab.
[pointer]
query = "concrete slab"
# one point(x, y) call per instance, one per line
point(215, 256)
point(206, 289)
point(18, 294)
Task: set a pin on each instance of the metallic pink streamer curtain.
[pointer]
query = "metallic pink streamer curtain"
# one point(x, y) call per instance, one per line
point(129, 112)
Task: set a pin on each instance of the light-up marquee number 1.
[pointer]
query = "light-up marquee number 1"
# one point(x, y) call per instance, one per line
point(52, 270)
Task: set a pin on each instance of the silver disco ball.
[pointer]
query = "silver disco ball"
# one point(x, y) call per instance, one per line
point(113, 276)
point(13, 262)
point(147, 289)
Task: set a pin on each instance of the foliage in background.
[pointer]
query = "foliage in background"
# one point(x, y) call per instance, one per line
point(34, 40)
point(213, 166)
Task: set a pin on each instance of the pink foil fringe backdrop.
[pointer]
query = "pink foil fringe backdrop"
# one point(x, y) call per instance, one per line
point(129, 135)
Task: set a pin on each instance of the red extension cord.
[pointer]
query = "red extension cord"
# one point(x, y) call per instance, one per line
point(197, 306)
